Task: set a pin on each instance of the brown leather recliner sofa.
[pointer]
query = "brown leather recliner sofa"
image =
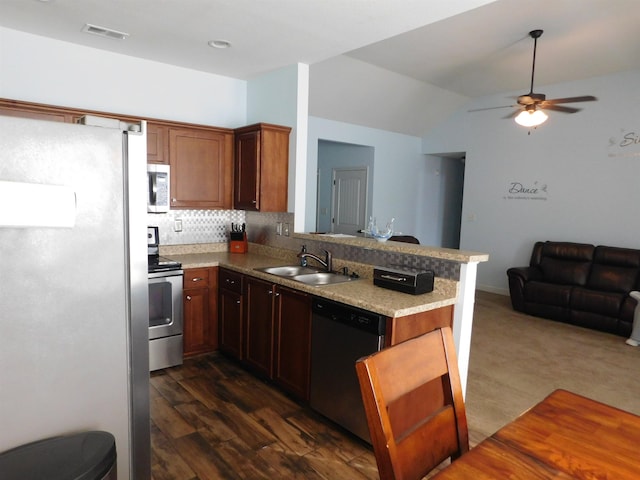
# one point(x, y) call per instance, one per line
point(580, 284)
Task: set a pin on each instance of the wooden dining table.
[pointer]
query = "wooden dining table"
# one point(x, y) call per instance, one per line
point(564, 436)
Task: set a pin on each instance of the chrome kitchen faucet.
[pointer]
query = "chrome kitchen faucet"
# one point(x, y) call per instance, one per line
point(327, 263)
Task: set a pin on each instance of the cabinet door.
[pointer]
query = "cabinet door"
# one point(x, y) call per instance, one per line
point(201, 168)
point(200, 310)
point(157, 143)
point(37, 115)
point(196, 321)
point(259, 334)
point(230, 317)
point(292, 349)
point(261, 168)
point(246, 171)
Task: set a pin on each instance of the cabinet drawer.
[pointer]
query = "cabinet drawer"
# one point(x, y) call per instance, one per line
point(230, 280)
point(196, 277)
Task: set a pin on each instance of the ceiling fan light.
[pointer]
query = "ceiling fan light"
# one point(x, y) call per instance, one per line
point(531, 118)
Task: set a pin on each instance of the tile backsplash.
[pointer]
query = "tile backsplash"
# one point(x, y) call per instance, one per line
point(213, 226)
point(198, 226)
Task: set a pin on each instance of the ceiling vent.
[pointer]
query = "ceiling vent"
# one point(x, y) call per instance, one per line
point(104, 32)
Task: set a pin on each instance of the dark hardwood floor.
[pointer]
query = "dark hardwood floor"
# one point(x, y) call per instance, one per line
point(210, 419)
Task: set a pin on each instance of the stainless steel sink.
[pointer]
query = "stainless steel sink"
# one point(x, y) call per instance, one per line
point(288, 270)
point(306, 275)
point(322, 278)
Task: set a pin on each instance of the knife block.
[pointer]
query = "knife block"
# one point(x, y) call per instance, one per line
point(238, 242)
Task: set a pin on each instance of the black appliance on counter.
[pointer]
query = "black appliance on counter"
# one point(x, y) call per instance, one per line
point(404, 279)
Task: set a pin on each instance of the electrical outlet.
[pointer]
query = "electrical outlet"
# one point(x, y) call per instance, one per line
point(177, 225)
point(279, 228)
point(285, 230)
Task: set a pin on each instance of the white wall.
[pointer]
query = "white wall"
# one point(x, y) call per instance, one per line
point(349, 90)
point(587, 183)
point(281, 97)
point(39, 69)
point(400, 170)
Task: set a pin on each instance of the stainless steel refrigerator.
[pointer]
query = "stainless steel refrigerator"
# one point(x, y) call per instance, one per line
point(73, 285)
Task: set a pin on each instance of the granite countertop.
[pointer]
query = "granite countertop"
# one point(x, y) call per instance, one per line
point(361, 293)
point(454, 255)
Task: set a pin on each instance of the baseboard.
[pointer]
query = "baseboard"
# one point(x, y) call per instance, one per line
point(490, 289)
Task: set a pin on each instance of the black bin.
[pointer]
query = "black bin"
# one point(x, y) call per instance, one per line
point(81, 456)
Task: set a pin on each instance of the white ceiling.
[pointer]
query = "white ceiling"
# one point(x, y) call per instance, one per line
point(470, 47)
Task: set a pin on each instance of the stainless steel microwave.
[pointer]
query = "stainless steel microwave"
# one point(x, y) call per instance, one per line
point(158, 184)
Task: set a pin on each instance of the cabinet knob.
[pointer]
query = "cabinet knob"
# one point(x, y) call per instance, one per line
point(188, 297)
point(173, 199)
point(197, 279)
point(238, 302)
point(254, 201)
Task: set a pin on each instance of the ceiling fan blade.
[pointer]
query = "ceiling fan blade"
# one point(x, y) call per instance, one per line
point(584, 98)
point(558, 108)
point(513, 114)
point(491, 108)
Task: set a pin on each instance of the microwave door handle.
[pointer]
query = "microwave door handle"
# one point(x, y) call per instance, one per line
point(153, 188)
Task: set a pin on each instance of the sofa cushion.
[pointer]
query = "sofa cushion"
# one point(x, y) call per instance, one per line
point(614, 269)
point(564, 272)
point(595, 301)
point(612, 279)
point(541, 292)
point(578, 252)
point(622, 257)
point(564, 263)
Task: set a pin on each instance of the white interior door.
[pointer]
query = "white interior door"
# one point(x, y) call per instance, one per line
point(349, 204)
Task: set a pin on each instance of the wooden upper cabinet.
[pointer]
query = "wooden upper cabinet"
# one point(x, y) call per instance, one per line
point(14, 108)
point(40, 111)
point(51, 116)
point(157, 143)
point(201, 168)
point(261, 168)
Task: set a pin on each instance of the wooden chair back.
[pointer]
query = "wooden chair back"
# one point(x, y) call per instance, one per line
point(413, 401)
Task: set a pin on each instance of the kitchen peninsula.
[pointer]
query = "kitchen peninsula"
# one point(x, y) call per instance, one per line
point(453, 293)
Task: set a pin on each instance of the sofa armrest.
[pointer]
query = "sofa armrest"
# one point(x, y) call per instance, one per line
point(525, 274)
point(518, 277)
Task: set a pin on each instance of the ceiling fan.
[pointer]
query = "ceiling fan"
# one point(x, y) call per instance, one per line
point(532, 104)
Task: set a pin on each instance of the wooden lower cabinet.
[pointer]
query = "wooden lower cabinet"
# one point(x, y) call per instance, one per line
point(292, 342)
point(268, 328)
point(410, 326)
point(260, 308)
point(231, 313)
point(200, 314)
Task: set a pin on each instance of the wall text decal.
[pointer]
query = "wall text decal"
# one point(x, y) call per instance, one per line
point(626, 144)
point(522, 191)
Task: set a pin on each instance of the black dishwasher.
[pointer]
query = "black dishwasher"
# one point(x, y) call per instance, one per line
point(340, 335)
